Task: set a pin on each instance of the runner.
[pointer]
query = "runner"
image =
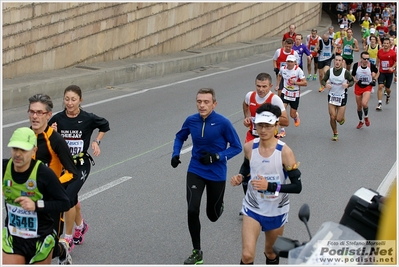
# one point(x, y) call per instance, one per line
point(279, 60)
point(365, 74)
point(349, 45)
point(339, 81)
point(266, 203)
point(325, 49)
point(290, 34)
point(301, 49)
point(31, 190)
point(386, 62)
point(214, 142)
point(293, 77)
point(76, 126)
point(255, 99)
point(53, 151)
point(311, 41)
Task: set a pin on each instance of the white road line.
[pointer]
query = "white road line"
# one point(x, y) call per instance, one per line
point(153, 88)
point(103, 188)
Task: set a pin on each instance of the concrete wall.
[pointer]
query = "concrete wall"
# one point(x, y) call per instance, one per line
point(39, 37)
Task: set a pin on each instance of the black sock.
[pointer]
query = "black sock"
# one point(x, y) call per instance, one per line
point(276, 260)
point(360, 114)
point(241, 263)
point(366, 111)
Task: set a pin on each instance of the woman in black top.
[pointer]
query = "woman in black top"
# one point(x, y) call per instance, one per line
point(76, 126)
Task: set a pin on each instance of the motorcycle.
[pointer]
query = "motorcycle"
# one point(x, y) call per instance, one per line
point(336, 243)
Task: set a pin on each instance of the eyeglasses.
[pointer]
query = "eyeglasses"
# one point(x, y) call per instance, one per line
point(38, 113)
point(265, 125)
point(366, 58)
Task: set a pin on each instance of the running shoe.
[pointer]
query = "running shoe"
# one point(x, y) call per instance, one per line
point(71, 245)
point(282, 133)
point(64, 259)
point(360, 125)
point(297, 121)
point(79, 235)
point(321, 89)
point(342, 122)
point(367, 121)
point(379, 107)
point(385, 92)
point(195, 258)
point(314, 77)
point(335, 137)
point(387, 100)
point(309, 77)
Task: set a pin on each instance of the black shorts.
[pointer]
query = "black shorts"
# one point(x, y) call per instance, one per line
point(322, 64)
point(74, 187)
point(348, 61)
point(385, 79)
point(33, 249)
point(293, 104)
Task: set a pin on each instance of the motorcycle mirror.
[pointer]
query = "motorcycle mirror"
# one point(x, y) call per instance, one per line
point(304, 214)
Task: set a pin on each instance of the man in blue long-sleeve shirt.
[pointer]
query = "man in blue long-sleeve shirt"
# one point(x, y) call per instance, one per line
point(214, 142)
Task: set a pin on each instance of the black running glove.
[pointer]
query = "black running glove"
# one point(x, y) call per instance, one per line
point(276, 70)
point(372, 83)
point(175, 161)
point(209, 158)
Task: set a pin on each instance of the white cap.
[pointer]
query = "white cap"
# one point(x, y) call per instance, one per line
point(291, 58)
point(265, 117)
point(342, 26)
point(372, 30)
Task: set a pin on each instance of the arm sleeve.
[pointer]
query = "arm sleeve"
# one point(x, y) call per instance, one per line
point(100, 123)
point(325, 78)
point(294, 187)
point(55, 197)
point(234, 141)
point(180, 138)
point(354, 69)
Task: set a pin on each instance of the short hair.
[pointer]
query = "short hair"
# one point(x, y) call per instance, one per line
point(269, 107)
point(208, 91)
point(300, 35)
point(289, 41)
point(264, 77)
point(364, 53)
point(44, 99)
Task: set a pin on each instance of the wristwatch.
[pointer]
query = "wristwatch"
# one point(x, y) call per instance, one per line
point(97, 141)
point(40, 204)
point(217, 156)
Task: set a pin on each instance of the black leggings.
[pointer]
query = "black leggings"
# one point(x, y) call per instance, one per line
point(214, 206)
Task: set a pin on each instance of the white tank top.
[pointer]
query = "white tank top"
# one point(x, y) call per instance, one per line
point(364, 75)
point(336, 83)
point(265, 203)
point(325, 52)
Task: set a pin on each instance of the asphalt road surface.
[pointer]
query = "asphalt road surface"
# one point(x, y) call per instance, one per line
point(135, 201)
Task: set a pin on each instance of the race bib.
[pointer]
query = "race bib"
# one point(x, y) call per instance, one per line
point(271, 178)
point(75, 146)
point(22, 223)
point(327, 54)
point(336, 100)
point(291, 95)
point(312, 47)
point(385, 65)
point(347, 50)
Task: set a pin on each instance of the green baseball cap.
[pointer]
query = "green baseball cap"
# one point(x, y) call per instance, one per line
point(23, 138)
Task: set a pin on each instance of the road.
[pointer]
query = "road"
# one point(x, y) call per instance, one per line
point(135, 201)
